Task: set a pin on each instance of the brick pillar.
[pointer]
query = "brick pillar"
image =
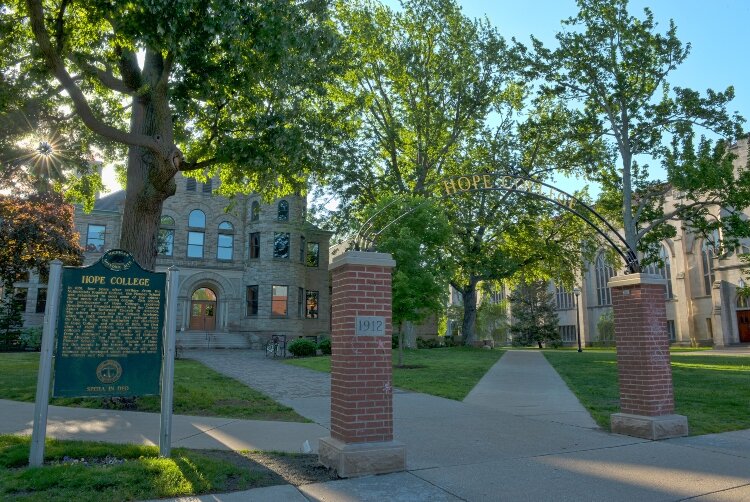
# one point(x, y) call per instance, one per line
point(643, 363)
point(361, 439)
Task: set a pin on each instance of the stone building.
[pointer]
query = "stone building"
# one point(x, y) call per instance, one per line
point(703, 307)
point(248, 270)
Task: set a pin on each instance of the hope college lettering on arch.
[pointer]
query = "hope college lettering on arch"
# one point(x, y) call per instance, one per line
point(473, 182)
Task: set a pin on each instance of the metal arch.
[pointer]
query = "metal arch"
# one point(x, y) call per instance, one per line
point(364, 236)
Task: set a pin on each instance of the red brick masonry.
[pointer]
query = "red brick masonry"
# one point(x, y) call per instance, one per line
point(642, 345)
point(361, 373)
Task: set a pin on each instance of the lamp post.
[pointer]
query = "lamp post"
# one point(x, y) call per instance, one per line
point(577, 291)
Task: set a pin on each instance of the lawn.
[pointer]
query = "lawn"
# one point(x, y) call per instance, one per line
point(712, 391)
point(198, 390)
point(449, 372)
point(131, 472)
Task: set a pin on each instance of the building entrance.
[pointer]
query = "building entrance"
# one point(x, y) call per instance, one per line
point(743, 325)
point(203, 310)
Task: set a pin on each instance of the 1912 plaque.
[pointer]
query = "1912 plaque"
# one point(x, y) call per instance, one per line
point(109, 334)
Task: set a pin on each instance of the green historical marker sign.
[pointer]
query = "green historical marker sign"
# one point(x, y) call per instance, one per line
point(109, 332)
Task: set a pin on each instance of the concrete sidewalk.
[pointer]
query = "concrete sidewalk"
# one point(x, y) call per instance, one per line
point(526, 385)
point(134, 427)
point(506, 441)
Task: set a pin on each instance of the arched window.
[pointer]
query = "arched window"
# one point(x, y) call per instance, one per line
point(165, 242)
point(196, 220)
point(743, 302)
point(603, 272)
point(665, 271)
point(225, 245)
point(708, 251)
point(283, 210)
point(255, 211)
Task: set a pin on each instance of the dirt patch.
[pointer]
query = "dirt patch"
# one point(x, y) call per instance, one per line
point(411, 366)
point(277, 468)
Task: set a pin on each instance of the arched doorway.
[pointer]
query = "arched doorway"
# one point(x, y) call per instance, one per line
point(203, 310)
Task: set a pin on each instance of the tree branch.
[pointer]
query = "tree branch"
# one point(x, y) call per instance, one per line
point(106, 77)
point(56, 66)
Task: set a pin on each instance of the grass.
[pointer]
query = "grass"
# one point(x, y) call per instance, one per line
point(138, 474)
point(712, 391)
point(445, 372)
point(198, 390)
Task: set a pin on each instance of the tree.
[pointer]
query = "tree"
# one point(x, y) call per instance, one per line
point(534, 315)
point(612, 70)
point(34, 231)
point(11, 320)
point(229, 87)
point(427, 79)
point(492, 317)
point(424, 79)
point(419, 284)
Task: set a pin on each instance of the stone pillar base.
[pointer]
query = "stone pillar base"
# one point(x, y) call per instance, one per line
point(350, 460)
point(642, 426)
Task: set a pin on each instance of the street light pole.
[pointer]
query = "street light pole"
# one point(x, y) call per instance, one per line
point(577, 291)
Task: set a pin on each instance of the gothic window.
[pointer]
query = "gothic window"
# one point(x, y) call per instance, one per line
point(255, 211)
point(207, 186)
point(743, 302)
point(708, 251)
point(190, 184)
point(603, 272)
point(665, 271)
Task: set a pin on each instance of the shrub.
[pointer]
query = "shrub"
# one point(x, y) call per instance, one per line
point(394, 341)
point(325, 346)
point(606, 327)
point(429, 343)
point(302, 347)
point(31, 338)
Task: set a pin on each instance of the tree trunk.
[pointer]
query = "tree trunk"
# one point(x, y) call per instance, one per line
point(409, 334)
point(150, 175)
point(469, 296)
point(401, 345)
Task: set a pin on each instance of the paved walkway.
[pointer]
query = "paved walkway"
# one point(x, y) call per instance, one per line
point(512, 388)
point(499, 444)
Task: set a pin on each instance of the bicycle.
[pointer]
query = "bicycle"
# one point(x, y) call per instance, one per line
point(276, 347)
